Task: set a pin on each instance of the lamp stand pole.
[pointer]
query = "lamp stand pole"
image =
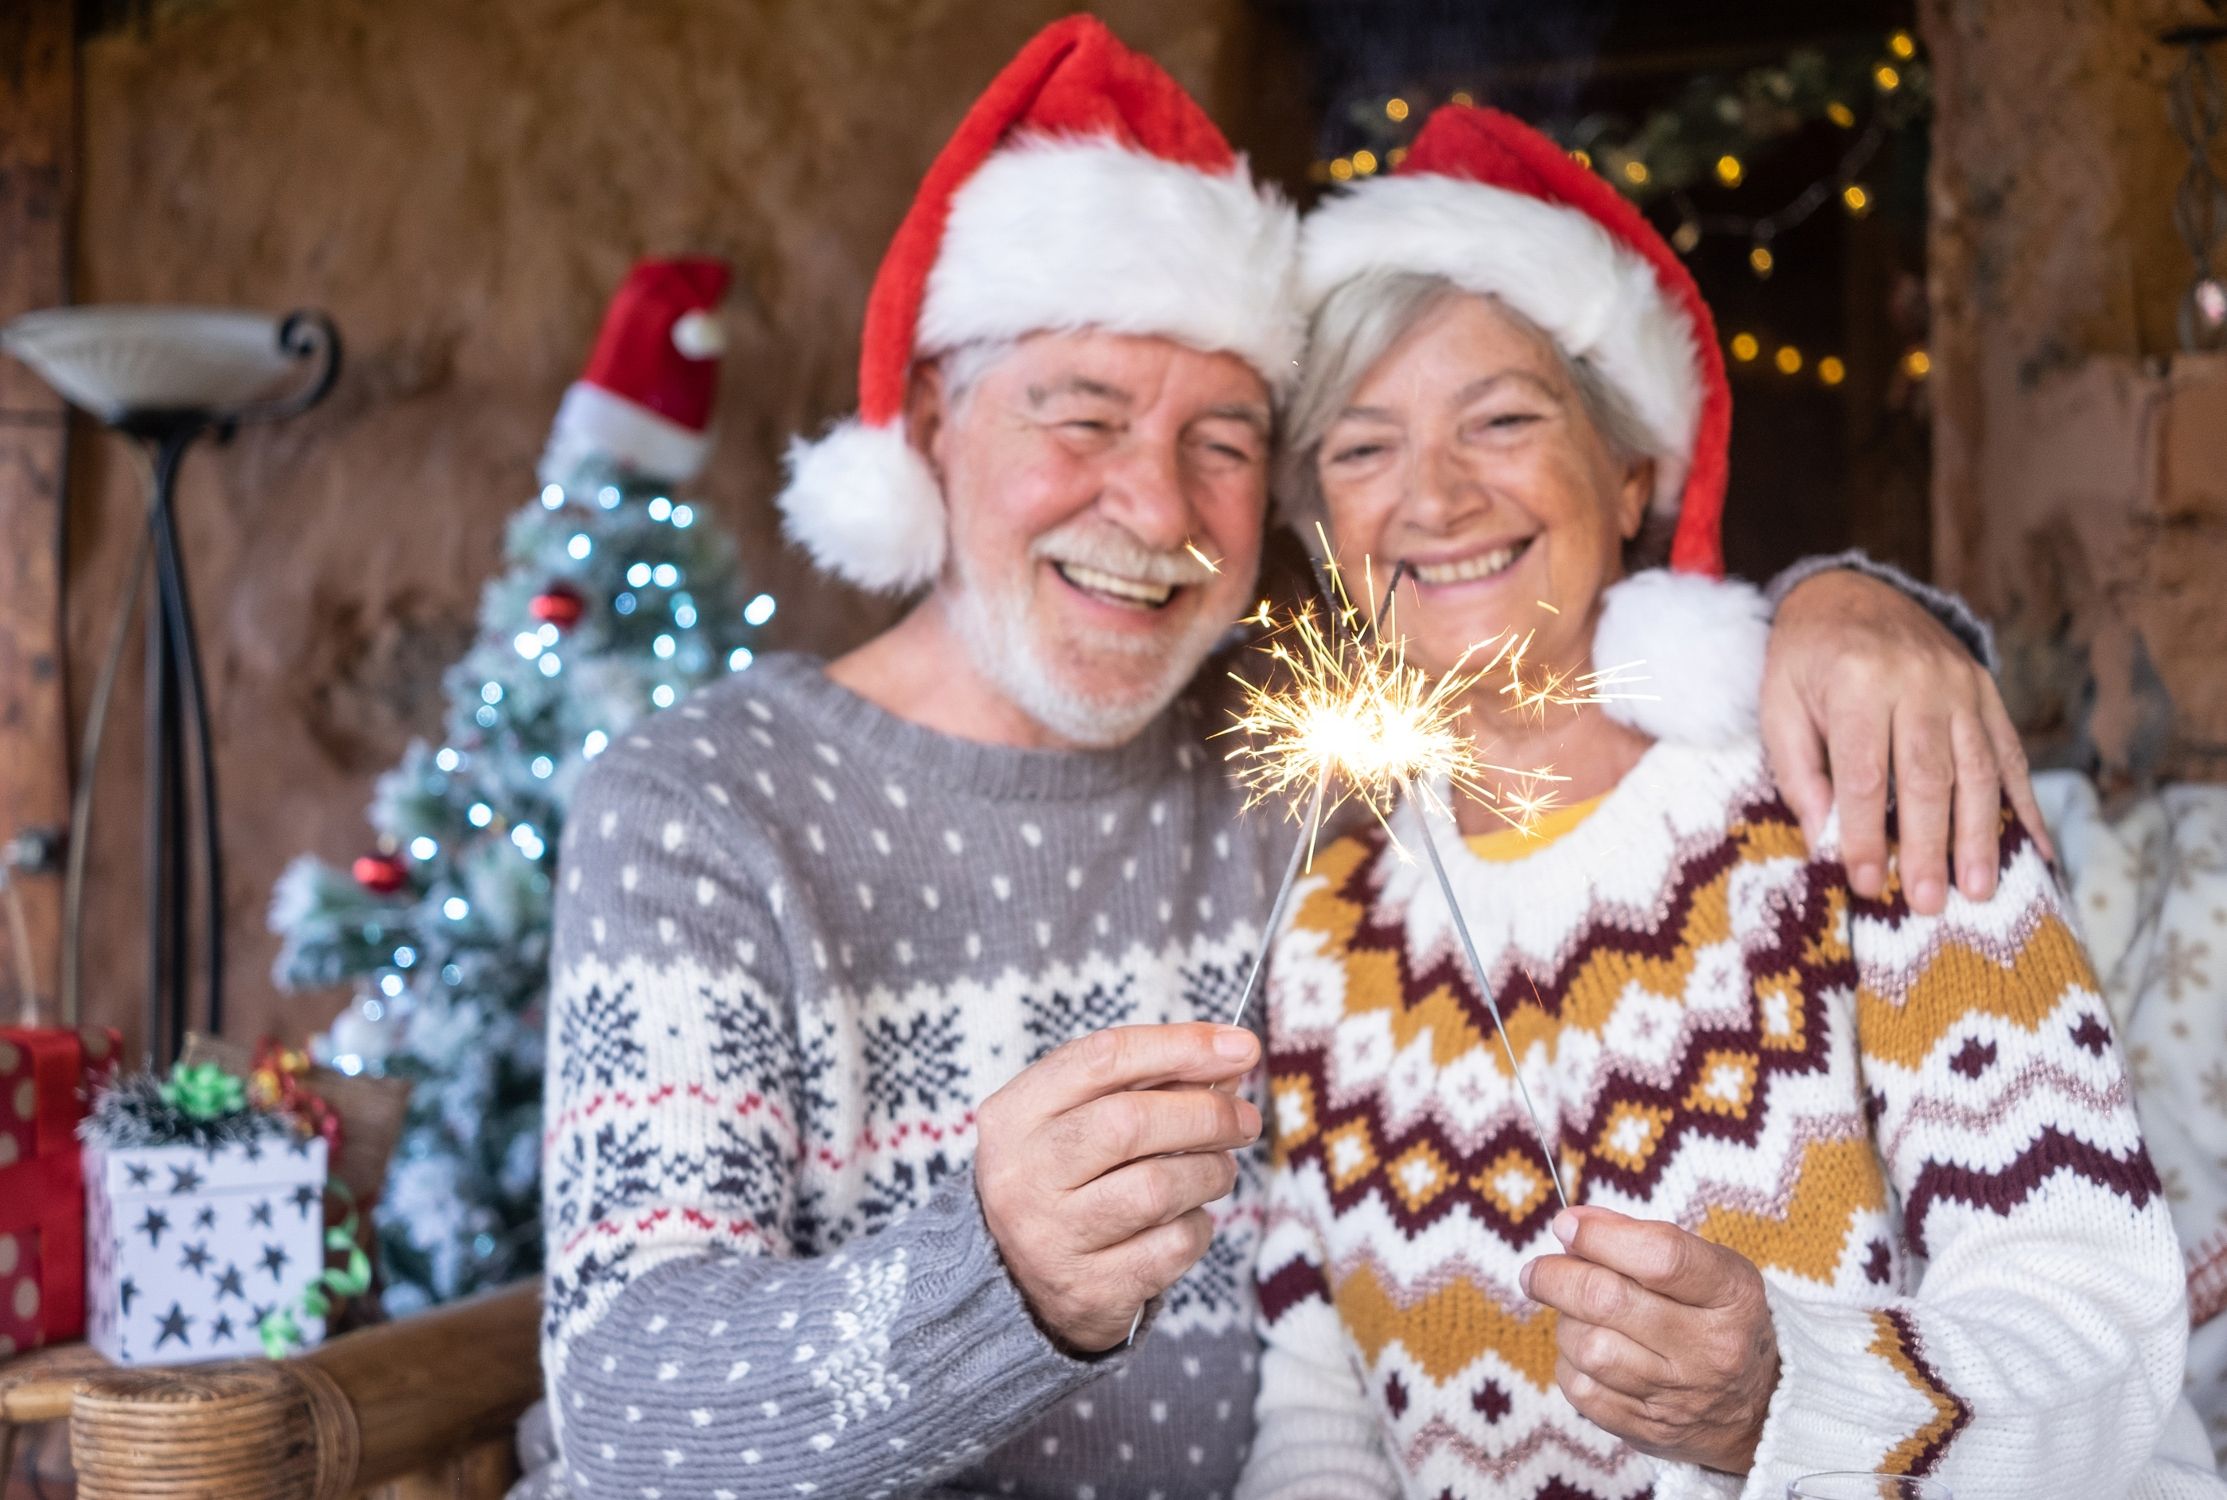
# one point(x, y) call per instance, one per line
point(177, 721)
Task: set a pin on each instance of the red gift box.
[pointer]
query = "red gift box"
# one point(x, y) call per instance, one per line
point(47, 1076)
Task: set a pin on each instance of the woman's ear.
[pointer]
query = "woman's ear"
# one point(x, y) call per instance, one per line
point(1634, 496)
point(927, 408)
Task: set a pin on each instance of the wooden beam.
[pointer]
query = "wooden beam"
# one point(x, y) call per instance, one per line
point(38, 136)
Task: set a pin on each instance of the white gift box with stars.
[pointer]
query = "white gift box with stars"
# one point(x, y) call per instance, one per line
point(188, 1247)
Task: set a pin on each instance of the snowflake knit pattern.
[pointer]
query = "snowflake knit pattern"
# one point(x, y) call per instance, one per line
point(798, 942)
point(1918, 1128)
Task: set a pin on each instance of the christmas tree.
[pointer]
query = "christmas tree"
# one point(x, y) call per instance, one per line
point(616, 599)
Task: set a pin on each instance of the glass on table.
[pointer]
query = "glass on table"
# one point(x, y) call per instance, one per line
point(1854, 1486)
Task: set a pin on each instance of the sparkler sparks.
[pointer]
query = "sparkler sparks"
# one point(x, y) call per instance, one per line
point(1208, 563)
point(1344, 708)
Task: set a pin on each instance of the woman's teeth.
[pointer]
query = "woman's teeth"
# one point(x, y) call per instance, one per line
point(1483, 565)
point(1133, 590)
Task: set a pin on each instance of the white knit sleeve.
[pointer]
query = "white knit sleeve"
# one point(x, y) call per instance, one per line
point(2040, 1347)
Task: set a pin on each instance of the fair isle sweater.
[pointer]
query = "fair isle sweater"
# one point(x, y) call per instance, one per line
point(1918, 1128)
point(798, 941)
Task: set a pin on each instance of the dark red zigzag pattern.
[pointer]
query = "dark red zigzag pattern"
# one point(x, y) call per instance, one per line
point(1799, 923)
point(1930, 1458)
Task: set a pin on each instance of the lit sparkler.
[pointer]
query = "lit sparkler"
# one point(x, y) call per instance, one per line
point(1346, 717)
point(1350, 712)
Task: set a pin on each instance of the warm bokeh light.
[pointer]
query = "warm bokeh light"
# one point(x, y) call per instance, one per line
point(1745, 347)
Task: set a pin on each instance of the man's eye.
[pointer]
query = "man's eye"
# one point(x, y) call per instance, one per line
point(1087, 425)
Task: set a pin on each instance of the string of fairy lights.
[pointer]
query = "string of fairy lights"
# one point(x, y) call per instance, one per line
point(1706, 140)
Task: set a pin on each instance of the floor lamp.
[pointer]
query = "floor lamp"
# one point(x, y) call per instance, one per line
point(164, 377)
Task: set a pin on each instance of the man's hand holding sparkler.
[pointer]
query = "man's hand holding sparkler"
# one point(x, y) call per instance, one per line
point(1094, 1165)
point(1664, 1339)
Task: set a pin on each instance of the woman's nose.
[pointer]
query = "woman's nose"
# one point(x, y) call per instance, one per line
point(1441, 492)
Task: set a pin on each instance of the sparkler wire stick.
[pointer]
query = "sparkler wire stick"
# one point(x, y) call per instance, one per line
point(1484, 987)
point(1301, 852)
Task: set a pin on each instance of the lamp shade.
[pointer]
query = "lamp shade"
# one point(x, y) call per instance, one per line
point(117, 360)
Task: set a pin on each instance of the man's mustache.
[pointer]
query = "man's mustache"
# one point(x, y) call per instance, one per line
point(1110, 549)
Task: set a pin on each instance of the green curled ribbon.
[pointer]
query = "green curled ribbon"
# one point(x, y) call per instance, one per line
point(203, 1091)
point(281, 1329)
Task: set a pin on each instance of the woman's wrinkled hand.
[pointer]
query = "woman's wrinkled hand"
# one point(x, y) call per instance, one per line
point(1664, 1339)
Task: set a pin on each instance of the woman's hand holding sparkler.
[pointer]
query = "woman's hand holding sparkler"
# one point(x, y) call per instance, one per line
point(1094, 1165)
point(1664, 1339)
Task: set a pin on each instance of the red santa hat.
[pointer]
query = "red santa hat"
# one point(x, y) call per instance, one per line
point(643, 404)
point(1084, 189)
point(1499, 209)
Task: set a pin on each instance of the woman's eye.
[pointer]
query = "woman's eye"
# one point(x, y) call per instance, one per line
point(1087, 426)
point(1355, 452)
point(1509, 421)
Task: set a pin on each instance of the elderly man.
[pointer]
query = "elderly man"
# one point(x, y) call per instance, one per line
point(883, 1015)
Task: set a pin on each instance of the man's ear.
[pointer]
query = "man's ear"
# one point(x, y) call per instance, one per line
point(927, 410)
point(1634, 496)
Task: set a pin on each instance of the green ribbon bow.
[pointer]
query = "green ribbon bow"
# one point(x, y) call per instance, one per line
point(203, 1091)
point(281, 1329)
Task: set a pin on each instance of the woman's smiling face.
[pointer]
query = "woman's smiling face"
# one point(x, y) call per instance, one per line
point(1468, 453)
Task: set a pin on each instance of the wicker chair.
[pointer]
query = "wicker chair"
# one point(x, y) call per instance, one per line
point(409, 1410)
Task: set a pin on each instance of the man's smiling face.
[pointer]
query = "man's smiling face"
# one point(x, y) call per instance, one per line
point(1106, 498)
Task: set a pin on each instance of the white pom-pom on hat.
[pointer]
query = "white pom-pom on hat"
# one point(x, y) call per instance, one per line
point(1696, 648)
point(698, 335)
point(866, 506)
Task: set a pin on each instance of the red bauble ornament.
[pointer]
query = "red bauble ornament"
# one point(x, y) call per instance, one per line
point(381, 874)
point(560, 605)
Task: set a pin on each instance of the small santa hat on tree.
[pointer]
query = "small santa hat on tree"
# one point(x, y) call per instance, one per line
point(643, 405)
point(1498, 209)
point(1084, 189)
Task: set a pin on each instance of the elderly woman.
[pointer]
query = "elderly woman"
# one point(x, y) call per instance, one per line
point(1854, 1188)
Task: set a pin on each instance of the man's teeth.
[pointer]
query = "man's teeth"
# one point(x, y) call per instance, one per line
point(1483, 565)
point(1116, 585)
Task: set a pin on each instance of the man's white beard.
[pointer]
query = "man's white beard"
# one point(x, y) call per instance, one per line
point(995, 627)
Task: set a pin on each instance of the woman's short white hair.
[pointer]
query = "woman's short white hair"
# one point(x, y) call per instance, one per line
point(1360, 322)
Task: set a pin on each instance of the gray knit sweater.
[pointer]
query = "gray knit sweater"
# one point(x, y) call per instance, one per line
point(798, 942)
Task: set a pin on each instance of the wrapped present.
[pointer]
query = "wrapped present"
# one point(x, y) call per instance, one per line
point(205, 1219)
point(46, 1076)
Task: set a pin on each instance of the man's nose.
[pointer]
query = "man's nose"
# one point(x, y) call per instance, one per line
point(1144, 493)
